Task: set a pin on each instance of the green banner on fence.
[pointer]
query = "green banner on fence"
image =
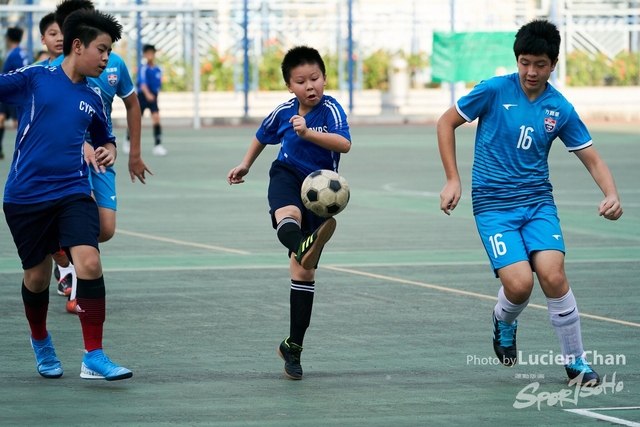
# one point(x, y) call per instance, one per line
point(471, 56)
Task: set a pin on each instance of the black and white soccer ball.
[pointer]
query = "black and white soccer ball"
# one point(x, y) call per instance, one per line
point(325, 193)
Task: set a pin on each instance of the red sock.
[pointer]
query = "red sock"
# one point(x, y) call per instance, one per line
point(90, 298)
point(92, 314)
point(36, 307)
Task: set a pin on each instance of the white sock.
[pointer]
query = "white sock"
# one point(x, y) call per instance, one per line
point(565, 319)
point(66, 270)
point(74, 283)
point(507, 311)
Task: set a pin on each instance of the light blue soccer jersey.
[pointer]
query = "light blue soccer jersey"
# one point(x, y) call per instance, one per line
point(54, 114)
point(513, 139)
point(328, 116)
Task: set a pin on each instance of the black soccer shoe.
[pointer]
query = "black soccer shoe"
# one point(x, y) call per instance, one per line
point(290, 353)
point(311, 247)
point(56, 271)
point(580, 367)
point(504, 341)
point(65, 285)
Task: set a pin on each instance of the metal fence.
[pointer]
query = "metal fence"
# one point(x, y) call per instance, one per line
point(186, 31)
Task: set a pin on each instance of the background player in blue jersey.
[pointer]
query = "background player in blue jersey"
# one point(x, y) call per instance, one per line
point(115, 80)
point(149, 85)
point(16, 58)
point(47, 197)
point(519, 117)
point(51, 38)
point(312, 130)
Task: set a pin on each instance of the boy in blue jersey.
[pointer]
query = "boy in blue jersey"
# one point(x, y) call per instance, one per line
point(115, 80)
point(16, 58)
point(47, 198)
point(149, 85)
point(51, 38)
point(519, 117)
point(312, 130)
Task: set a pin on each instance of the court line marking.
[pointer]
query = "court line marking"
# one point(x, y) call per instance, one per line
point(620, 421)
point(466, 293)
point(181, 242)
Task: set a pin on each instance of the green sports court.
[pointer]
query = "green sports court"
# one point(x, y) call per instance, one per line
point(198, 299)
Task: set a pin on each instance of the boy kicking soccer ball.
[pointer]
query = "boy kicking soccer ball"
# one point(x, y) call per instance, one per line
point(313, 131)
point(520, 116)
point(47, 198)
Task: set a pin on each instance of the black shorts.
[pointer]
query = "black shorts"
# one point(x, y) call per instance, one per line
point(284, 190)
point(9, 111)
point(144, 104)
point(40, 229)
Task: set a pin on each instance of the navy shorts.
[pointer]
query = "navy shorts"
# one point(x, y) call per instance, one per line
point(9, 111)
point(284, 190)
point(40, 229)
point(144, 104)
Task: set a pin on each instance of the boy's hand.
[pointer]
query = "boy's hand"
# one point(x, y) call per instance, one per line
point(450, 196)
point(610, 208)
point(90, 158)
point(299, 125)
point(236, 174)
point(104, 158)
point(137, 168)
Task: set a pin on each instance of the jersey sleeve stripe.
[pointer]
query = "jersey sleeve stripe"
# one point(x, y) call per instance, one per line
point(272, 117)
point(580, 147)
point(336, 114)
point(464, 116)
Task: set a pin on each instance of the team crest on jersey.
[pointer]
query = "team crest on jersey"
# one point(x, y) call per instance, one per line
point(549, 124)
point(112, 79)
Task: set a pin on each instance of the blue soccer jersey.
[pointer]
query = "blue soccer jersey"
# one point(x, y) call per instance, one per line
point(513, 139)
point(328, 116)
point(16, 58)
point(114, 80)
point(150, 76)
point(54, 114)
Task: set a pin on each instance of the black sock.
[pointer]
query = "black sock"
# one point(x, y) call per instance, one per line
point(157, 134)
point(1, 137)
point(289, 234)
point(301, 301)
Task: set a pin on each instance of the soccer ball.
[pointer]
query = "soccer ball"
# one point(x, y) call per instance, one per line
point(325, 193)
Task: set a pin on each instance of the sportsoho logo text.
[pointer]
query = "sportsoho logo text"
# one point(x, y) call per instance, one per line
point(550, 358)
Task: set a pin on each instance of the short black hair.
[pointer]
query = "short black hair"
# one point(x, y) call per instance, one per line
point(148, 47)
point(538, 37)
point(14, 34)
point(46, 22)
point(300, 55)
point(87, 25)
point(67, 7)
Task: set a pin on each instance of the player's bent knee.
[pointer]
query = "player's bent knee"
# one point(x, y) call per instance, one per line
point(106, 234)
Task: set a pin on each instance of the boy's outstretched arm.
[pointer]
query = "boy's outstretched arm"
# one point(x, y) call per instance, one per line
point(330, 141)
point(447, 124)
point(137, 167)
point(610, 207)
point(236, 174)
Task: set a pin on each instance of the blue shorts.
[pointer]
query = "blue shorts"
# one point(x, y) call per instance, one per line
point(9, 111)
point(40, 229)
point(512, 235)
point(284, 190)
point(144, 104)
point(103, 186)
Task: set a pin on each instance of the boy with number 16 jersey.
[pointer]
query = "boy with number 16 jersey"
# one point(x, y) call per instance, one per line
point(312, 130)
point(519, 117)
